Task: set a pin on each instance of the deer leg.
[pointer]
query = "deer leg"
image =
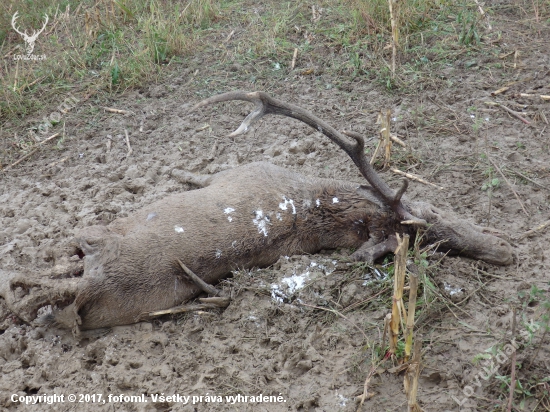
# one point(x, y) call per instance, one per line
point(184, 176)
point(206, 303)
point(205, 287)
point(25, 293)
point(372, 250)
point(218, 301)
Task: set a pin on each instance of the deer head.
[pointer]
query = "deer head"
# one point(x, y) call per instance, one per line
point(456, 234)
point(29, 39)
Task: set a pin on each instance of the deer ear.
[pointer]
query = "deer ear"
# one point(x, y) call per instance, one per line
point(91, 239)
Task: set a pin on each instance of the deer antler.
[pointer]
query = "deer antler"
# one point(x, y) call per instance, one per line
point(265, 104)
point(13, 19)
point(44, 26)
point(35, 34)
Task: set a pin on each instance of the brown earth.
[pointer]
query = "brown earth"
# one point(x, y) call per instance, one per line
point(265, 343)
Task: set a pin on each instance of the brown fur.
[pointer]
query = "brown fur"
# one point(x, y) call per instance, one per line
point(131, 266)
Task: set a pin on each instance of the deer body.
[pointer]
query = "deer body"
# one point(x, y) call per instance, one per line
point(249, 217)
point(246, 217)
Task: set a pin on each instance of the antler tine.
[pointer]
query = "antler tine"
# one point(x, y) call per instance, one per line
point(358, 138)
point(13, 20)
point(44, 26)
point(266, 104)
point(401, 191)
point(35, 33)
point(396, 198)
point(253, 117)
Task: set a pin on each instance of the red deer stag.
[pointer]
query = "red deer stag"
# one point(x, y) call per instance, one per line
point(248, 217)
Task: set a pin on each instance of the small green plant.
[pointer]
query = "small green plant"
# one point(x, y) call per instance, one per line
point(400, 352)
point(491, 184)
point(520, 390)
point(540, 298)
point(478, 122)
point(491, 181)
point(467, 21)
point(385, 78)
point(422, 259)
point(480, 357)
point(115, 74)
point(356, 62)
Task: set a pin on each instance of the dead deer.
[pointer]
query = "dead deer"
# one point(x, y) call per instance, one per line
point(248, 217)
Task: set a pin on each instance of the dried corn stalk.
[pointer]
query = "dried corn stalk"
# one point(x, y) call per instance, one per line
point(398, 309)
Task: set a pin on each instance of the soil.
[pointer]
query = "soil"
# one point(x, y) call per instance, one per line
point(265, 343)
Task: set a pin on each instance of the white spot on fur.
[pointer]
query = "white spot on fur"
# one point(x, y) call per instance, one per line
point(234, 244)
point(318, 202)
point(283, 206)
point(261, 222)
point(279, 216)
point(335, 200)
point(227, 211)
point(178, 229)
point(218, 253)
point(307, 203)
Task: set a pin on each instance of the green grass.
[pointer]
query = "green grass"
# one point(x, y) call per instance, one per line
point(110, 46)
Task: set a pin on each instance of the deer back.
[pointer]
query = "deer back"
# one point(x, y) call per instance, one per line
point(247, 217)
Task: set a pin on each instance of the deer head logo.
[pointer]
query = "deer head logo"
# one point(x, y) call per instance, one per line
point(29, 39)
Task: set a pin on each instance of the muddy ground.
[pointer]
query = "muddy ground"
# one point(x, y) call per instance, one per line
point(264, 343)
